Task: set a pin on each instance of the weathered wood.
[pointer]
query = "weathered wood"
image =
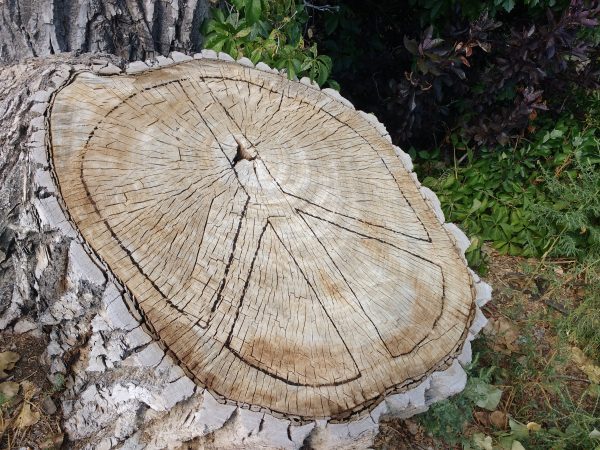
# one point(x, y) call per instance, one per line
point(276, 160)
point(269, 234)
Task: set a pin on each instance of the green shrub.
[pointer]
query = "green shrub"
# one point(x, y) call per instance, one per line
point(541, 197)
point(271, 32)
point(583, 326)
point(484, 70)
point(446, 420)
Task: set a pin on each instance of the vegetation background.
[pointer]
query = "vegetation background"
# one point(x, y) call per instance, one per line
point(498, 103)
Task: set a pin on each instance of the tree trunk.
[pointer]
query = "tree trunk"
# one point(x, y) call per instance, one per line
point(308, 286)
point(130, 29)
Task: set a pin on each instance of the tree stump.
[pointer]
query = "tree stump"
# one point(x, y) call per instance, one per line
point(265, 235)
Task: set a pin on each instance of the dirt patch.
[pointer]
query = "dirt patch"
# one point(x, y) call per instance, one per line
point(31, 418)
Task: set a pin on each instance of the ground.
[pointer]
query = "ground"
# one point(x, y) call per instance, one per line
point(36, 391)
point(531, 358)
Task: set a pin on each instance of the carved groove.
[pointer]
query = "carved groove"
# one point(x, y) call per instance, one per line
point(269, 235)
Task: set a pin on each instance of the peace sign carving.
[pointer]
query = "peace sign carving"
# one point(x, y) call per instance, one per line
point(269, 235)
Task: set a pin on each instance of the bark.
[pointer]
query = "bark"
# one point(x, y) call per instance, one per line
point(130, 29)
point(121, 387)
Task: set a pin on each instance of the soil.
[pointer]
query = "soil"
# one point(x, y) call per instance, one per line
point(46, 432)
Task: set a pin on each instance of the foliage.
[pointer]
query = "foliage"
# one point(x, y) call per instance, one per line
point(537, 410)
point(572, 220)
point(494, 78)
point(583, 326)
point(540, 197)
point(438, 11)
point(546, 412)
point(446, 419)
point(484, 70)
point(271, 32)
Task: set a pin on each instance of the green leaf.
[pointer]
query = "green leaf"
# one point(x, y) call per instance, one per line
point(516, 445)
point(490, 397)
point(323, 74)
point(238, 4)
point(253, 10)
point(518, 430)
point(333, 84)
point(218, 15)
point(483, 394)
point(482, 442)
point(255, 55)
point(291, 70)
point(476, 206)
point(216, 43)
point(243, 32)
point(508, 5)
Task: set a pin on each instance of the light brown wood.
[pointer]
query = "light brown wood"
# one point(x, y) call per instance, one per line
point(269, 234)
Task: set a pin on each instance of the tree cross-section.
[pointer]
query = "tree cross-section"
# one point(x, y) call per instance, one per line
point(268, 233)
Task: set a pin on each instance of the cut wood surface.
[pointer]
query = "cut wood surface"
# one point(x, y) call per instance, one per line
point(270, 235)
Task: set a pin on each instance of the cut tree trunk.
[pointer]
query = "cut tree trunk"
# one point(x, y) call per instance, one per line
point(130, 29)
point(224, 258)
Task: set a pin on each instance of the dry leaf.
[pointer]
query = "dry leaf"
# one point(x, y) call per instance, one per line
point(54, 441)
point(7, 362)
point(532, 426)
point(27, 417)
point(504, 333)
point(498, 419)
point(412, 426)
point(29, 390)
point(9, 389)
point(482, 417)
point(586, 365)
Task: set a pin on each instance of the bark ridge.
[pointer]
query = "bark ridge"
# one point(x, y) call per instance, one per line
point(130, 29)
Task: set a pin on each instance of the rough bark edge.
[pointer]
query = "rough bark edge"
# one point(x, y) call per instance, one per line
point(257, 428)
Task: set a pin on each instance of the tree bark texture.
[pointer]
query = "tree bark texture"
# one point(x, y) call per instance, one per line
point(130, 29)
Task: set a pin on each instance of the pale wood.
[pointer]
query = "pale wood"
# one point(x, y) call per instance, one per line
point(269, 234)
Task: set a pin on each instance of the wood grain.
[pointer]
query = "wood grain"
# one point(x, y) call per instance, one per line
point(269, 234)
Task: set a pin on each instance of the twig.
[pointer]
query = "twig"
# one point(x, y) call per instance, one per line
point(321, 8)
point(568, 377)
point(561, 309)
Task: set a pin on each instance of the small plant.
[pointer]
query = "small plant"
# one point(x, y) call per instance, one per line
point(583, 326)
point(482, 70)
point(438, 11)
point(271, 32)
point(58, 384)
point(446, 420)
